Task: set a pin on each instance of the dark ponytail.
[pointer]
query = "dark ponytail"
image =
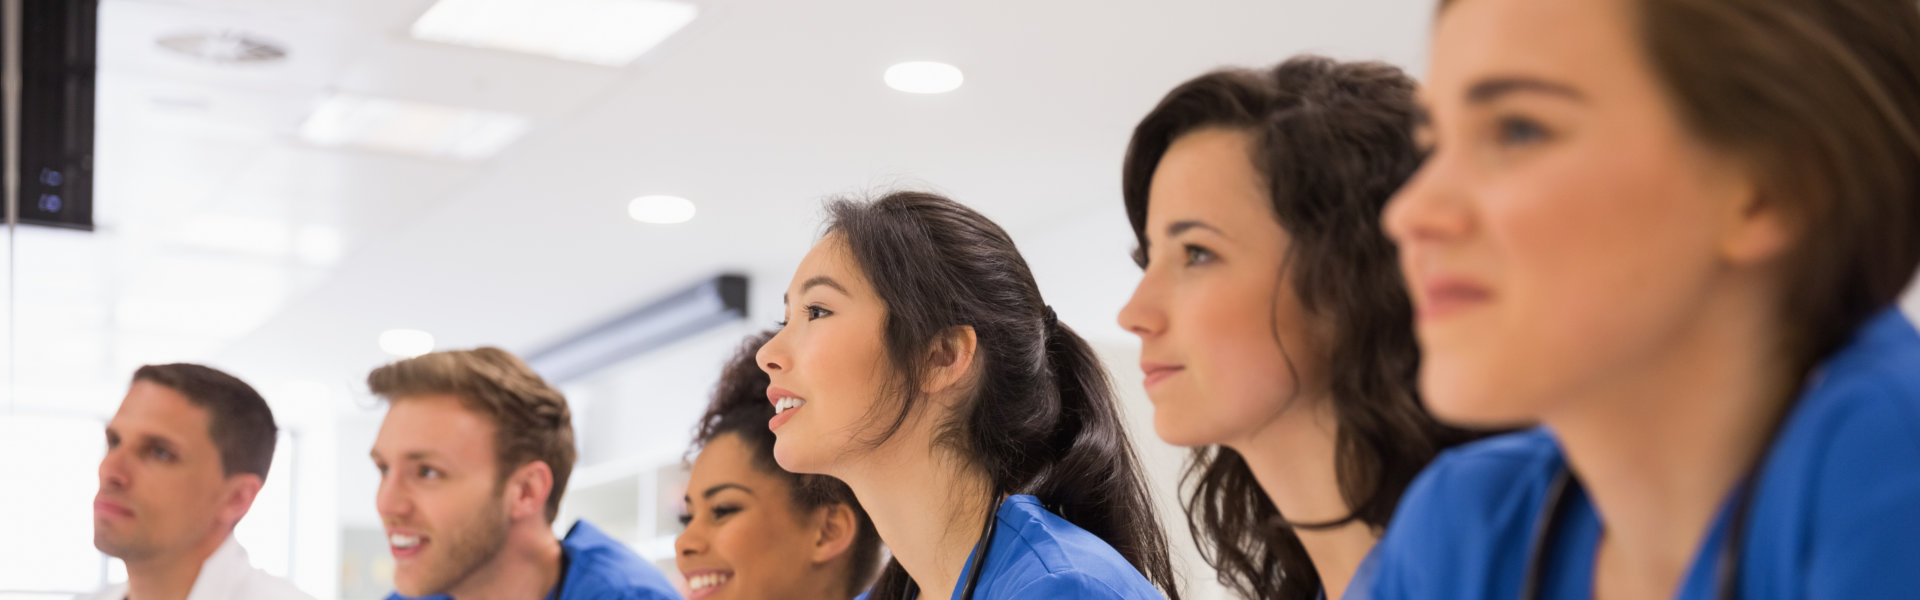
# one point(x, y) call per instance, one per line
point(1042, 418)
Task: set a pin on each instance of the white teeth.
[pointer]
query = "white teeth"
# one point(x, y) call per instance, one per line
point(786, 404)
point(701, 582)
point(403, 541)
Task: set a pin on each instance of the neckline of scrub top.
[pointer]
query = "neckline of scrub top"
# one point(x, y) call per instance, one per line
point(966, 568)
point(1573, 545)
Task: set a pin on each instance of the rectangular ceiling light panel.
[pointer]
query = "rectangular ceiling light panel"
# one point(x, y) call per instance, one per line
point(411, 127)
point(603, 32)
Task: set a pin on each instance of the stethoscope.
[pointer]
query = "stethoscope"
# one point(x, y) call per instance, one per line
point(973, 568)
point(1727, 562)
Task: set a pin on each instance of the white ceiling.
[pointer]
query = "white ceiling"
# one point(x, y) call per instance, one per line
point(224, 238)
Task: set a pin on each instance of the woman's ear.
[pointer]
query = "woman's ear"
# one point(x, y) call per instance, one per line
point(1757, 227)
point(949, 358)
point(834, 530)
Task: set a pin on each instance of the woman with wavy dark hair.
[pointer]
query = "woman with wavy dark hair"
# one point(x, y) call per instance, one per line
point(1276, 335)
point(919, 364)
point(754, 530)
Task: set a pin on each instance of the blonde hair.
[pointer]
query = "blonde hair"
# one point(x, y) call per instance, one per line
point(531, 419)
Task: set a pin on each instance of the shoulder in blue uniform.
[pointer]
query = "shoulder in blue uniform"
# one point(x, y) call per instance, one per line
point(601, 568)
point(1037, 554)
point(1449, 537)
point(1837, 508)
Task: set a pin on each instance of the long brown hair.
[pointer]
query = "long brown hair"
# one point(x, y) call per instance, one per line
point(1333, 141)
point(1042, 418)
point(1822, 97)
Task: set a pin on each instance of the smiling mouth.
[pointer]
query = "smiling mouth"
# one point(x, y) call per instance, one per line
point(707, 583)
point(404, 545)
point(786, 404)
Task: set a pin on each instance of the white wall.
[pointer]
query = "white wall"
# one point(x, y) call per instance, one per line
point(1163, 464)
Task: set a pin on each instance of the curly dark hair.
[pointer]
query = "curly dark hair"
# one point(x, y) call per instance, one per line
point(739, 408)
point(1333, 141)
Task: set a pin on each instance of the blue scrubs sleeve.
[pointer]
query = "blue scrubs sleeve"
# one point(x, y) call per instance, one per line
point(1069, 585)
point(1397, 547)
point(1867, 543)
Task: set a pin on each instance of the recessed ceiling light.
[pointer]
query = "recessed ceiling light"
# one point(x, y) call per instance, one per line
point(602, 32)
point(411, 127)
point(406, 342)
point(922, 77)
point(661, 210)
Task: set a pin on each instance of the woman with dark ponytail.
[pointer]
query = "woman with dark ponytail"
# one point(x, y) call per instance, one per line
point(1276, 334)
point(919, 364)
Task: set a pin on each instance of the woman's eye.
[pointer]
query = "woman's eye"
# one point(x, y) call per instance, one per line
point(1520, 131)
point(815, 312)
point(1197, 255)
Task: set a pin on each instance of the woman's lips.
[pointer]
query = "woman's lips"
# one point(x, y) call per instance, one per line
point(1158, 372)
point(1441, 297)
point(785, 403)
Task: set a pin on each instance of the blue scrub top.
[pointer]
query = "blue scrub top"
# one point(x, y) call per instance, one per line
point(1037, 554)
point(601, 568)
point(1836, 513)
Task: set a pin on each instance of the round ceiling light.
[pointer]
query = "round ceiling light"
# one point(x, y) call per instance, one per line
point(660, 210)
point(922, 77)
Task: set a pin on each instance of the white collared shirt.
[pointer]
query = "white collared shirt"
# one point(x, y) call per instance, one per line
point(225, 576)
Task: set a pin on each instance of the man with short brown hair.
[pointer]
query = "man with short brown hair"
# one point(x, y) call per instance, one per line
point(187, 452)
point(474, 455)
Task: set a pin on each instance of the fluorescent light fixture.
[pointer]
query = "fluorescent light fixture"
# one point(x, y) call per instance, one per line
point(922, 77)
point(406, 343)
point(650, 327)
point(411, 127)
point(603, 32)
point(661, 210)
